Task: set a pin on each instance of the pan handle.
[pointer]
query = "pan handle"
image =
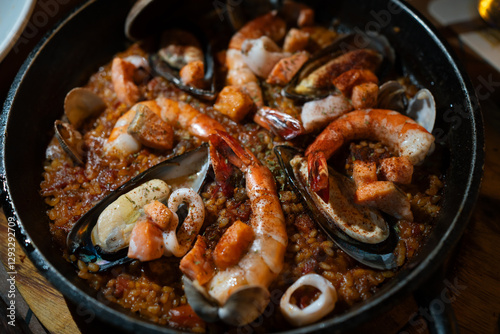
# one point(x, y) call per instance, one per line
point(435, 298)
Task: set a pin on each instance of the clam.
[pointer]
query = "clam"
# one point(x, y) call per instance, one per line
point(367, 238)
point(107, 246)
point(421, 107)
point(313, 81)
point(71, 141)
point(392, 96)
point(79, 104)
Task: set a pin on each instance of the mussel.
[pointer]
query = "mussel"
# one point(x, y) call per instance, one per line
point(79, 104)
point(164, 64)
point(370, 51)
point(379, 253)
point(187, 170)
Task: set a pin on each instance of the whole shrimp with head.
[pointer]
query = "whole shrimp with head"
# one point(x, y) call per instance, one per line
point(231, 282)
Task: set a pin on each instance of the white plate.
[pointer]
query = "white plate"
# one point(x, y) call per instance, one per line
point(14, 15)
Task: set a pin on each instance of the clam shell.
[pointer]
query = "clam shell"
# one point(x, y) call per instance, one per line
point(81, 103)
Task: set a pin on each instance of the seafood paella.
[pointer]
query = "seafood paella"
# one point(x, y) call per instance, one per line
point(269, 179)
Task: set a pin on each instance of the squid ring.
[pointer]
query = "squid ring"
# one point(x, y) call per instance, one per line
point(314, 311)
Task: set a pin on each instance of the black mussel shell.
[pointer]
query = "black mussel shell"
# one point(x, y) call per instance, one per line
point(379, 256)
point(341, 45)
point(79, 240)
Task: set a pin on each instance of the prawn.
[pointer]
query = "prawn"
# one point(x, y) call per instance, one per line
point(182, 114)
point(124, 75)
point(265, 241)
point(398, 132)
point(269, 25)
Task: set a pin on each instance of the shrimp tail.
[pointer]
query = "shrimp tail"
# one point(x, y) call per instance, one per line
point(222, 169)
point(318, 174)
point(279, 123)
point(230, 148)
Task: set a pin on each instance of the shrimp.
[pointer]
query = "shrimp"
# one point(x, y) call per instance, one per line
point(399, 132)
point(241, 76)
point(265, 241)
point(123, 77)
point(121, 142)
point(269, 25)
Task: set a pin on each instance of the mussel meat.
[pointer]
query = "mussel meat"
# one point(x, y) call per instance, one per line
point(107, 245)
point(371, 240)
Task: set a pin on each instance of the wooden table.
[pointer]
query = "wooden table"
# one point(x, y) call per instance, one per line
point(475, 265)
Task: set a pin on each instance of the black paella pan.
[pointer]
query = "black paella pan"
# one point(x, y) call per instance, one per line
point(90, 37)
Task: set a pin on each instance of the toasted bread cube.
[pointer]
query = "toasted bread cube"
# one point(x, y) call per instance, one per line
point(233, 244)
point(295, 40)
point(385, 196)
point(364, 172)
point(146, 242)
point(233, 103)
point(159, 214)
point(192, 74)
point(364, 96)
point(349, 79)
point(196, 265)
point(397, 169)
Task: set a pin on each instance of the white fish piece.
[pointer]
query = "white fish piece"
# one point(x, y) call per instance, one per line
point(318, 114)
point(261, 55)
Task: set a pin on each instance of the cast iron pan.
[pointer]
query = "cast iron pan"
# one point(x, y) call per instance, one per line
point(92, 34)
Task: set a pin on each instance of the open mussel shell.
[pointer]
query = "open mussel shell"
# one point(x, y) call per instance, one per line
point(341, 45)
point(191, 168)
point(379, 256)
point(160, 67)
